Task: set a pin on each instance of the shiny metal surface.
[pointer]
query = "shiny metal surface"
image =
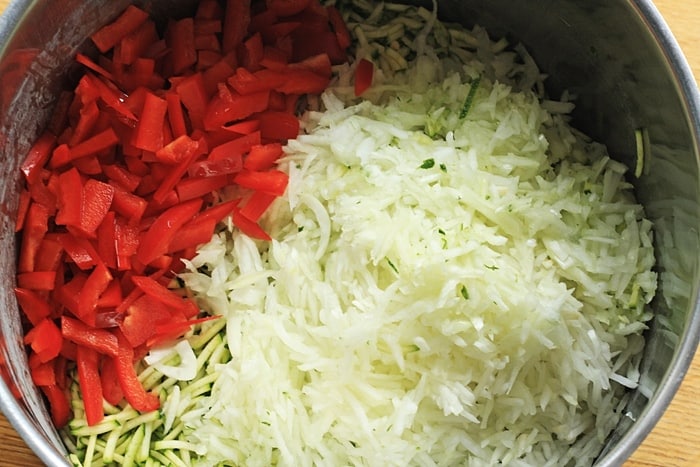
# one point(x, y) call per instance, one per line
point(617, 56)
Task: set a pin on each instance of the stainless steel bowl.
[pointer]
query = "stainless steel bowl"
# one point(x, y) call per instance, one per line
point(617, 56)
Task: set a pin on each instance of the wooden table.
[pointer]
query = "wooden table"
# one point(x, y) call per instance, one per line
point(675, 442)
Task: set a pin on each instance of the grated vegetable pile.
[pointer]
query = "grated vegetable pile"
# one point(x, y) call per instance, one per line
point(457, 276)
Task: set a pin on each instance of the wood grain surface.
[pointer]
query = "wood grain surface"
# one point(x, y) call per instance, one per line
point(675, 441)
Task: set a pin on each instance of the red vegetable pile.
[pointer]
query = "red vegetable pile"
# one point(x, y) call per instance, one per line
point(119, 187)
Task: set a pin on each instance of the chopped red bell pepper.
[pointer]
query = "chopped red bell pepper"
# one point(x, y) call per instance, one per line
point(45, 340)
point(134, 393)
point(108, 36)
point(88, 361)
point(363, 76)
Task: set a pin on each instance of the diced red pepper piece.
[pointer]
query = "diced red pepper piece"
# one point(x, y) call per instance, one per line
point(43, 373)
point(96, 201)
point(187, 150)
point(279, 126)
point(58, 403)
point(157, 238)
point(109, 35)
point(111, 390)
point(167, 297)
point(176, 116)
point(273, 182)
point(197, 187)
point(37, 280)
point(129, 205)
point(93, 145)
point(37, 157)
point(134, 392)
point(263, 156)
point(236, 21)
point(363, 76)
point(180, 38)
point(34, 306)
point(248, 227)
point(339, 27)
point(45, 340)
point(80, 250)
point(256, 205)
point(194, 97)
point(136, 44)
point(234, 149)
point(222, 111)
point(149, 131)
point(96, 283)
point(99, 340)
point(35, 227)
point(287, 7)
point(90, 384)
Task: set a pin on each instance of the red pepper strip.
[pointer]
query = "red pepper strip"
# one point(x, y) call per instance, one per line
point(111, 390)
point(244, 127)
point(37, 157)
point(96, 201)
point(45, 340)
point(217, 212)
point(80, 250)
point(126, 179)
point(141, 317)
point(126, 243)
point(236, 21)
point(136, 44)
point(193, 95)
point(151, 287)
point(169, 331)
point(180, 38)
point(176, 117)
point(70, 187)
point(109, 35)
point(58, 403)
point(68, 294)
point(89, 63)
point(194, 233)
point(149, 130)
point(263, 156)
point(101, 141)
point(37, 280)
point(300, 81)
point(319, 64)
point(134, 393)
point(221, 111)
point(51, 255)
point(339, 27)
point(111, 297)
point(219, 72)
point(36, 225)
point(248, 227)
point(363, 76)
point(197, 187)
point(251, 53)
point(157, 238)
point(96, 283)
point(256, 205)
point(279, 126)
point(129, 205)
point(234, 149)
point(89, 115)
point(273, 182)
point(90, 384)
point(25, 199)
point(287, 7)
point(99, 340)
point(34, 306)
point(190, 151)
point(106, 241)
point(112, 97)
point(43, 374)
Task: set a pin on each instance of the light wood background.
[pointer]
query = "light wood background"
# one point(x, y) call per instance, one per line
point(675, 441)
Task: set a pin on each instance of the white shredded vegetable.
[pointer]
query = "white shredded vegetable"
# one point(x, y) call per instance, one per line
point(440, 290)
